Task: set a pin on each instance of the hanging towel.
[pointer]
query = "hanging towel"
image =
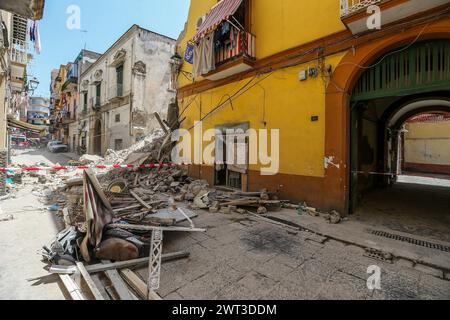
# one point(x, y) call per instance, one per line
point(32, 39)
point(198, 49)
point(204, 56)
point(208, 57)
point(37, 37)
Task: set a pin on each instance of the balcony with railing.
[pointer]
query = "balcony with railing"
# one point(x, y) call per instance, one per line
point(116, 91)
point(225, 29)
point(234, 55)
point(349, 7)
point(19, 51)
point(355, 13)
point(71, 78)
point(95, 103)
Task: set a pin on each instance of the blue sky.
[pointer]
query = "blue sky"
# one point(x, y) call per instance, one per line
point(105, 21)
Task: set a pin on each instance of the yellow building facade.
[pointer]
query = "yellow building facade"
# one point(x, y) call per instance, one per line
point(427, 146)
point(298, 78)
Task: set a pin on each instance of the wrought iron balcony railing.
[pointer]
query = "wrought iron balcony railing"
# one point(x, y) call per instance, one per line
point(349, 7)
point(19, 51)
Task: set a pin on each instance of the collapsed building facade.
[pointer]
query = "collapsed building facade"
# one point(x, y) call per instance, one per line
point(121, 92)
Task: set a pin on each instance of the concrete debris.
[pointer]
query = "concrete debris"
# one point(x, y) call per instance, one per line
point(334, 217)
point(88, 159)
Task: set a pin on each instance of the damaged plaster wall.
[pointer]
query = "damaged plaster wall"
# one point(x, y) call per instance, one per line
point(151, 81)
point(145, 58)
point(118, 124)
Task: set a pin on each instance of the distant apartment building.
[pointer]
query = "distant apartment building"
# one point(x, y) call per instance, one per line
point(66, 97)
point(38, 111)
point(122, 90)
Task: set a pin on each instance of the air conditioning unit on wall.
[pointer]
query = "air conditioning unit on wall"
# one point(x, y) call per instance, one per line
point(200, 21)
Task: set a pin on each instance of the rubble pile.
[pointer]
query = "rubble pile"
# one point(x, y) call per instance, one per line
point(112, 216)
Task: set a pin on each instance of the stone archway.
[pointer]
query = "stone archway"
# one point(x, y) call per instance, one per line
point(337, 106)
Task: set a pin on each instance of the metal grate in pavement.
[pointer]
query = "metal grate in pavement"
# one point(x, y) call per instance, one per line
point(413, 241)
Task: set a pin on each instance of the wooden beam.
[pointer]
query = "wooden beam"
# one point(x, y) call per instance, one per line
point(89, 281)
point(161, 123)
point(139, 199)
point(139, 286)
point(119, 285)
point(187, 217)
point(152, 228)
point(118, 265)
point(71, 287)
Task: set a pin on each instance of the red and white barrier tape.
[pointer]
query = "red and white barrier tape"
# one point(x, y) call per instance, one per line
point(67, 168)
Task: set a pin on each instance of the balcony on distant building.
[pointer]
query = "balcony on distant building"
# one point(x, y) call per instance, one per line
point(19, 40)
point(19, 52)
point(71, 83)
point(30, 9)
point(116, 92)
point(95, 103)
point(355, 13)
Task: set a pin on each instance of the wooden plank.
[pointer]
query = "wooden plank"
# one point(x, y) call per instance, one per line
point(89, 281)
point(137, 206)
point(118, 265)
point(72, 288)
point(66, 217)
point(136, 179)
point(161, 123)
point(119, 285)
point(139, 286)
point(152, 228)
point(139, 199)
point(187, 217)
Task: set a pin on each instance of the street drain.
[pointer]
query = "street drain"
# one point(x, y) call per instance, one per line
point(379, 255)
point(413, 241)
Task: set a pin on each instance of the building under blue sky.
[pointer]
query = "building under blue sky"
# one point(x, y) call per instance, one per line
point(102, 23)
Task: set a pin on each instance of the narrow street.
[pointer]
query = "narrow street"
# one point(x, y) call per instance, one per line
point(239, 257)
point(22, 274)
point(237, 150)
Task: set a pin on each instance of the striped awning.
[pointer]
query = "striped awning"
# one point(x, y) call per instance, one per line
point(14, 123)
point(219, 13)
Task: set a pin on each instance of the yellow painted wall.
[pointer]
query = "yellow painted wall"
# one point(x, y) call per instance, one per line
point(289, 105)
point(281, 100)
point(428, 143)
point(278, 25)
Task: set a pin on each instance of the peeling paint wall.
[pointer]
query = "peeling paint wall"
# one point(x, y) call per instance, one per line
point(145, 58)
point(151, 80)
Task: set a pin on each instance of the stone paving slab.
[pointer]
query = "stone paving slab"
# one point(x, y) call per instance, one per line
point(244, 258)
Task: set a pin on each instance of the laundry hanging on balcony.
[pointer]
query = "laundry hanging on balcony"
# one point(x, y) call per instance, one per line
point(204, 56)
point(220, 12)
point(35, 36)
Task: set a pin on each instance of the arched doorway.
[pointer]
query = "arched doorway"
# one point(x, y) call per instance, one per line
point(392, 92)
point(336, 183)
point(98, 137)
